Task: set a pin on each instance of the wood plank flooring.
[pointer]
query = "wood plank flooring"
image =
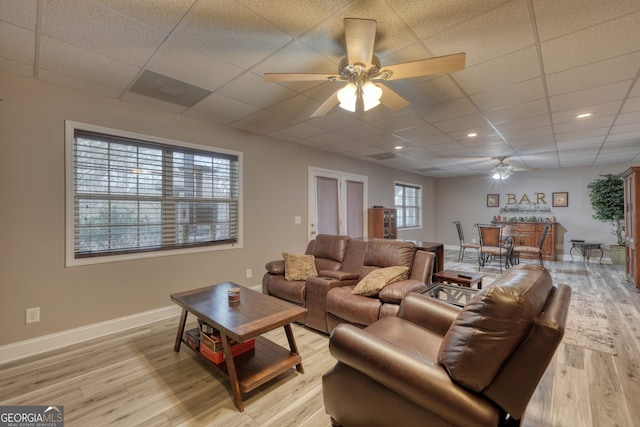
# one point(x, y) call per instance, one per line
point(135, 378)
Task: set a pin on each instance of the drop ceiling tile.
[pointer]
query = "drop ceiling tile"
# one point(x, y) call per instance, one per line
point(511, 136)
point(329, 139)
point(464, 123)
point(433, 140)
point(447, 110)
point(592, 96)
point(499, 32)
point(428, 18)
point(16, 67)
point(19, 12)
point(533, 122)
point(430, 92)
point(581, 143)
point(101, 30)
point(598, 110)
point(364, 130)
point(595, 74)
point(335, 120)
point(556, 18)
point(399, 121)
point(295, 20)
point(518, 93)
point(632, 104)
point(205, 70)
point(221, 27)
point(500, 72)
point(252, 89)
point(206, 117)
point(606, 40)
point(76, 83)
point(626, 128)
point(76, 62)
point(263, 122)
point(628, 118)
point(295, 57)
point(162, 15)
point(583, 133)
point(296, 107)
point(580, 125)
point(16, 43)
point(422, 130)
point(519, 111)
point(302, 131)
point(223, 106)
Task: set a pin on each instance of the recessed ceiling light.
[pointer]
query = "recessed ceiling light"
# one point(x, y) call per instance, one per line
point(472, 134)
point(398, 147)
point(583, 116)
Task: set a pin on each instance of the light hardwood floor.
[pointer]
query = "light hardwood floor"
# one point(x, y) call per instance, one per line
point(135, 377)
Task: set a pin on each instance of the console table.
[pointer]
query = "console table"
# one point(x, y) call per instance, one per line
point(585, 248)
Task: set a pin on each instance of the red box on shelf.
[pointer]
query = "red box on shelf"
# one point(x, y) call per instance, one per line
point(211, 348)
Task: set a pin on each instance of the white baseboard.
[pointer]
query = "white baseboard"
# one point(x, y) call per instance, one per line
point(45, 343)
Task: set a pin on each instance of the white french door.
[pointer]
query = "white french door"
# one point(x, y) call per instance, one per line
point(337, 203)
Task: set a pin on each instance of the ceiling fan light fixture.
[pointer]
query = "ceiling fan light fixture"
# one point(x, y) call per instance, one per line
point(500, 173)
point(347, 97)
point(371, 95)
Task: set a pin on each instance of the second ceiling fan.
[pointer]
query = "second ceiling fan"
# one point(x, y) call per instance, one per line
point(360, 67)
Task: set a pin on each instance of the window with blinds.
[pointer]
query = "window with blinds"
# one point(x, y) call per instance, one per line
point(408, 202)
point(133, 195)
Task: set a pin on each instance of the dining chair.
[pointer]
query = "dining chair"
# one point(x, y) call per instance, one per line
point(464, 245)
point(535, 250)
point(493, 245)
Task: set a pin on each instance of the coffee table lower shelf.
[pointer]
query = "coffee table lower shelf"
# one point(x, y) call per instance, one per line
point(257, 366)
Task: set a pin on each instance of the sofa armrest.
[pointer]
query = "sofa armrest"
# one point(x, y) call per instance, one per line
point(338, 274)
point(316, 289)
point(430, 313)
point(422, 382)
point(275, 267)
point(397, 291)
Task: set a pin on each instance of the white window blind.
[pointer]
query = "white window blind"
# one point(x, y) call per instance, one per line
point(132, 196)
point(408, 202)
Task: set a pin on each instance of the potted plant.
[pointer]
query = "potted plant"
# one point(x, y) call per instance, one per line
point(607, 200)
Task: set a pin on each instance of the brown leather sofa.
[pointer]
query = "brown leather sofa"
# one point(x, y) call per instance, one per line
point(342, 262)
point(439, 365)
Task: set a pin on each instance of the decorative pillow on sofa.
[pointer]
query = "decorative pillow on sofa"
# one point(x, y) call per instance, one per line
point(372, 283)
point(299, 267)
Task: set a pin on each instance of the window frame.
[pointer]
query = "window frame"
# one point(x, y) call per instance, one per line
point(70, 219)
point(402, 208)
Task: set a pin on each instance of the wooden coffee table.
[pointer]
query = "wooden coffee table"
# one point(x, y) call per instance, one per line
point(254, 315)
point(462, 278)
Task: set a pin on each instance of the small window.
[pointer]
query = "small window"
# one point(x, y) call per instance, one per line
point(131, 195)
point(408, 200)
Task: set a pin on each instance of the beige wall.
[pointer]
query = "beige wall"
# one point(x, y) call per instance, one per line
point(464, 199)
point(32, 211)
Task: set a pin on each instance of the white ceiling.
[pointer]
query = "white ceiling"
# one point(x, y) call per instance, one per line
point(532, 66)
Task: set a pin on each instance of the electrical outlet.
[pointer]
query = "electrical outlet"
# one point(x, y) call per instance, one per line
point(33, 315)
point(249, 273)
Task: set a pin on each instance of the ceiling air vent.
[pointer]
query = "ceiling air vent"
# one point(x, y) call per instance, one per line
point(167, 89)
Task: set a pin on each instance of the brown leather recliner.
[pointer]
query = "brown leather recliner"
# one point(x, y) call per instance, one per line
point(439, 365)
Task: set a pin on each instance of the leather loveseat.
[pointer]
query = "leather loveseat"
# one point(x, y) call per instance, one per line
point(439, 365)
point(341, 263)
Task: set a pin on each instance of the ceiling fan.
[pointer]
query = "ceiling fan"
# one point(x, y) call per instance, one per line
point(360, 67)
point(503, 170)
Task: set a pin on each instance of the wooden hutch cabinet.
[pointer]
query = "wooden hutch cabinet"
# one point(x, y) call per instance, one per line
point(529, 234)
point(383, 223)
point(631, 179)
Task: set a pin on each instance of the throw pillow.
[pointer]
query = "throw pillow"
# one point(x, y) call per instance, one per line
point(299, 267)
point(372, 283)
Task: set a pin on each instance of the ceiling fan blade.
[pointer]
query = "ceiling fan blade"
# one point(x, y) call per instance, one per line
point(360, 36)
point(299, 77)
point(391, 99)
point(425, 67)
point(327, 105)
